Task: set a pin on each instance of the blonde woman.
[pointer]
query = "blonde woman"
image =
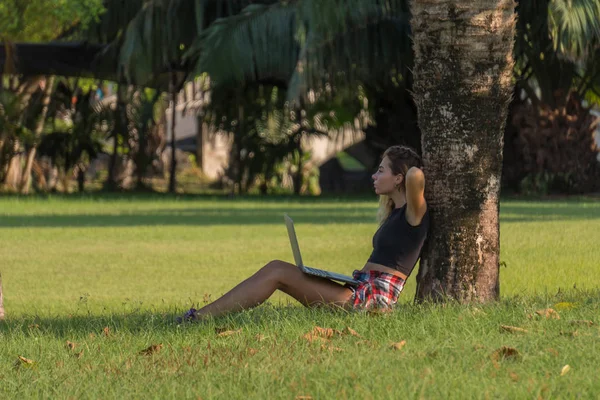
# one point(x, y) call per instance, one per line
point(404, 221)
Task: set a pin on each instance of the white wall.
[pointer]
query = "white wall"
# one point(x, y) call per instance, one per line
point(596, 112)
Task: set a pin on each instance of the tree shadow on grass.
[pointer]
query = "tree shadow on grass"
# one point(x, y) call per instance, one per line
point(262, 212)
point(195, 216)
point(198, 216)
point(548, 212)
point(84, 326)
point(78, 327)
point(576, 304)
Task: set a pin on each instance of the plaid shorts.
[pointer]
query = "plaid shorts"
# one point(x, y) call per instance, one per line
point(377, 289)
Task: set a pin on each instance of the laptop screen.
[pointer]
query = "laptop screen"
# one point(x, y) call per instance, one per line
point(293, 240)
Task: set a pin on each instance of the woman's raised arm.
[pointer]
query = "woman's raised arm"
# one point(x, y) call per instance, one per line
point(416, 206)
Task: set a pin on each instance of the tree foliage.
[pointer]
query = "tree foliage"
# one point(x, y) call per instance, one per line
point(557, 49)
point(44, 20)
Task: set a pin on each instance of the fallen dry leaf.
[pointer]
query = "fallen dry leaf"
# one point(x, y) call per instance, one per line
point(513, 329)
point(311, 337)
point(398, 345)
point(304, 397)
point(33, 326)
point(92, 335)
point(70, 345)
point(223, 332)
point(513, 376)
point(155, 348)
point(320, 334)
point(252, 351)
point(548, 313)
point(327, 333)
point(259, 337)
point(229, 333)
point(24, 362)
point(330, 348)
point(564, 370)
point(351, 332)
point(506, 353)
point(552, 351)
point(106, 331)
point(78, 354)
point(581, 322)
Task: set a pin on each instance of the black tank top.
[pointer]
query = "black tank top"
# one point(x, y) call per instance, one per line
point(397, 244)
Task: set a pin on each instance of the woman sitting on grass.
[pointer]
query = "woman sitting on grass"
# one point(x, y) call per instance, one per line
point(404, 222)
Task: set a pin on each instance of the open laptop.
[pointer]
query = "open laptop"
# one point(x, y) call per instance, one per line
point(307, 270)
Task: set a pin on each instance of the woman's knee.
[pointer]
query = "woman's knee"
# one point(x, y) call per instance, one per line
point(273, 267)
point(277, 270)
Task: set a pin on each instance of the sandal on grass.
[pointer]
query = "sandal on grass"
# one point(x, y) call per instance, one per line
point(189, 316)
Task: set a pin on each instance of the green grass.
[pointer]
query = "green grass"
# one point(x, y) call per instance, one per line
point(73, 266)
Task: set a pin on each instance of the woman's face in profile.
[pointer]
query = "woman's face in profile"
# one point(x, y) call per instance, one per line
point(384, 180)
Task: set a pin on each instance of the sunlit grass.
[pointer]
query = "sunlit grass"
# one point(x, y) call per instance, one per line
point(73, 266)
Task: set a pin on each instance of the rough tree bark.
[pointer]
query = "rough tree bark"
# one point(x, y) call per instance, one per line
point(462, 85)
point(47, 95)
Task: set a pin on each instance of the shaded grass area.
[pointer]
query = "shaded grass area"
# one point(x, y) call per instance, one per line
point(449, 351)
point(75, 266)
point(154, 210)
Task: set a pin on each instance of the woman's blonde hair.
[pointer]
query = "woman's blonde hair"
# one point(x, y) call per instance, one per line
point(402, 158)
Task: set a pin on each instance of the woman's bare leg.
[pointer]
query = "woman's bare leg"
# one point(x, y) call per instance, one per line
point(308, 290)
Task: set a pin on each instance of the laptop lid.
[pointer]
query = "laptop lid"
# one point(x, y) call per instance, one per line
point(293, 240)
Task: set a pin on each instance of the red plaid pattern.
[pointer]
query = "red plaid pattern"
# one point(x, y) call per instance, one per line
point(377, 289)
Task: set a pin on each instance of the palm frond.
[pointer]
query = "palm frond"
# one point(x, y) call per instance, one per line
point(333, 18)
point(575, 27)
point(163, 30)
point(257, 44)
point(112, 23)
point(304, 43)
point(379, 51)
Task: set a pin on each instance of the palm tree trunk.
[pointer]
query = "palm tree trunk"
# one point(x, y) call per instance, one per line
point(26, 177)
point(2, 313)
point(80, 177)
point(298, 176)
point(11, 177)
point(111, 183)
point(463, 85)
point(119, 128)
point(25, 91)
point(172, 174)
point(200, 135)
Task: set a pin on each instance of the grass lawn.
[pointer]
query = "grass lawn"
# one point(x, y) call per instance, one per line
point(108, 274)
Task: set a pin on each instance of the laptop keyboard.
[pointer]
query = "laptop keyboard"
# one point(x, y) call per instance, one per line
point(316, 272)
